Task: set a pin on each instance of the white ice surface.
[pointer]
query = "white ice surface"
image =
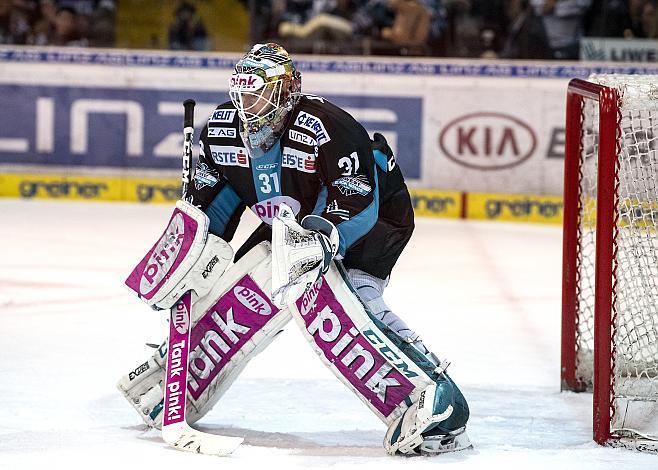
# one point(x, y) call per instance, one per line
point(484, 295)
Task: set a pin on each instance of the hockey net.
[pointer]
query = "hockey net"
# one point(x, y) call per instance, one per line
point(610, 284)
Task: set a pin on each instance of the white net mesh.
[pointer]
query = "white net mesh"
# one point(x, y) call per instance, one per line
point(635, 284)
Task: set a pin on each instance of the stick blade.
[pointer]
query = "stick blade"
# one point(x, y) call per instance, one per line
point(190, 440)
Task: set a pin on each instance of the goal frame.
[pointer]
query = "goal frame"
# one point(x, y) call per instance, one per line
point(605, 274)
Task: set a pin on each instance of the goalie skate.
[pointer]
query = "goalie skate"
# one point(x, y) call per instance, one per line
point(428, 426)
point(441, 443)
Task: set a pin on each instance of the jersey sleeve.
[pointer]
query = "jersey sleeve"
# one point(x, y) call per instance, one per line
point(212, 193)
point(349, 197)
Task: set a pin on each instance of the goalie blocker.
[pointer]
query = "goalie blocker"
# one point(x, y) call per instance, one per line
point(234, 319)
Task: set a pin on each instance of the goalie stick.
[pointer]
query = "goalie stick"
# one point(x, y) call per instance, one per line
point(175, 430)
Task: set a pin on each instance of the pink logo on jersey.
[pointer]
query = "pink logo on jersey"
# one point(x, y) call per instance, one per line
point(268, 209)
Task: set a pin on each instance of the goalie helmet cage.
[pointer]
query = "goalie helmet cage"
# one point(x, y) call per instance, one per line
point(610, 255)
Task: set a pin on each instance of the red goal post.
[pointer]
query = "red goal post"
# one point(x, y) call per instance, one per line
point(610, 255)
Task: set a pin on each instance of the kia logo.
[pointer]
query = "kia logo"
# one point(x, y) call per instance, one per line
point(487, 141)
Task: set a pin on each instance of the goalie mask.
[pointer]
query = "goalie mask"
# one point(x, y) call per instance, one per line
point(264, 88)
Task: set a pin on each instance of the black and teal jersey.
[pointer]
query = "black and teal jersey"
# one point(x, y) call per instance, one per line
point(324, 164)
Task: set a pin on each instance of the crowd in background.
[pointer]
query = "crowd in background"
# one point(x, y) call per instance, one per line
point(515, 29)
point(58, 22)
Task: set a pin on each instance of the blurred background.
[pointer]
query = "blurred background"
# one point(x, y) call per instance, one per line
point(511, 29)
point(470, 93)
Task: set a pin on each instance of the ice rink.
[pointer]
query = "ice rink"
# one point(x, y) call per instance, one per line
point(484, 295)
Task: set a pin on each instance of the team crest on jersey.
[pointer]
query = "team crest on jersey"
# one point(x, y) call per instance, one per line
point(302, 138)
point(298, 160)
point(204, 176)
point(221, 132)
point(229, 156)
point(313, 124)
point(222, 115)
point(333, 208)
point(349, 185)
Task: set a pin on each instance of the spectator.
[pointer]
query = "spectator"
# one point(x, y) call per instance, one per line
point(67, 29)
point(635, 9)
point(14, 24)
point(464, 36)
point(293, 11)
point(527, 37)
point(187, 32)
point(438, 23)
point(325, 20)
point(607, 18)
point(563, 20)
point(371, 18)
point(493, 25)
point(44, 27)
point(411, 24)
point(648, 21)
point(263, 18)
point(101, 30)
point(81, 7)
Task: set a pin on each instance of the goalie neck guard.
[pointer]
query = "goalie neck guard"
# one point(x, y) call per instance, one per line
point(264, 88)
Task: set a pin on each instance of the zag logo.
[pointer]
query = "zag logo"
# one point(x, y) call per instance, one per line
point(221, 132)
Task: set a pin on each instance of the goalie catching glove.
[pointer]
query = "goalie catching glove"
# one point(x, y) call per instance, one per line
point(300, 253)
